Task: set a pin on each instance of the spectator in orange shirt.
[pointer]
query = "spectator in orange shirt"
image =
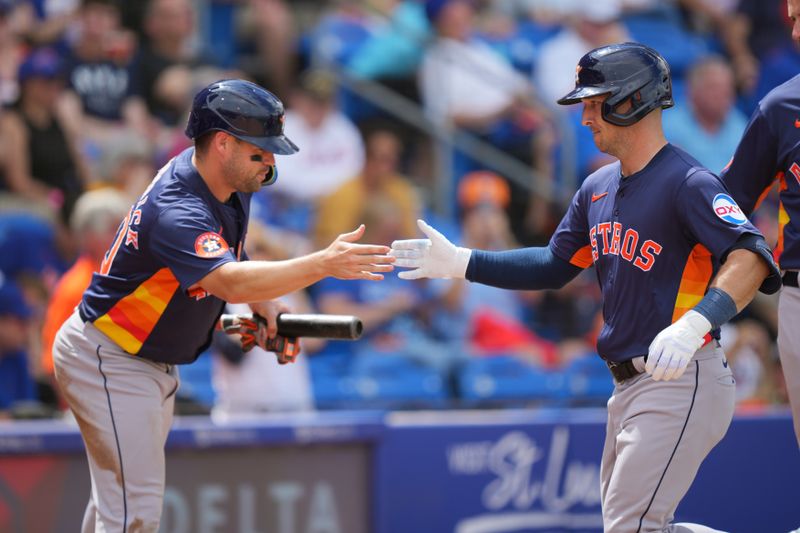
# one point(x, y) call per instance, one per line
point(93, 223)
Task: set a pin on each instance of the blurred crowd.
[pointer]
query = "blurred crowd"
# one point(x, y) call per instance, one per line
point(402, 109)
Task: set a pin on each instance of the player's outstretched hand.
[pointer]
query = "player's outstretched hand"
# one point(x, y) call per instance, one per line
point(673, 348)
point(434, 257)
point(345, 259)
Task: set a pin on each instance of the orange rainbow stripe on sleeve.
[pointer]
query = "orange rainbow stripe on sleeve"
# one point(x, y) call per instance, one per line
point(694, 281)
point(783, 221)
point(583, 257)
point(133, 318)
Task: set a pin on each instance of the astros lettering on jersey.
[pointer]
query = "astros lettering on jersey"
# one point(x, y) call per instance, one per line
point(660, 233)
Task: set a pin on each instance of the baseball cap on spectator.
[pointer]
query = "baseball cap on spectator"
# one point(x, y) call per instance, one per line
point(433, 8)
point(483, 187)
point(40, 63)
point(12, 303)
point(319, 84)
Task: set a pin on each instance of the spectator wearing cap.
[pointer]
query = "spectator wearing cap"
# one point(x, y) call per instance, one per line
point(332, 153)
point(379, 179)
point(94, 222)
point(491, 319)
point(16, 383)
point(542, 327)
point(43, 162)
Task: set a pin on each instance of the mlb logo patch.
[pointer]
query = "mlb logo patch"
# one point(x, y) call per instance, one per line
point(210, 244)
point(726, 209)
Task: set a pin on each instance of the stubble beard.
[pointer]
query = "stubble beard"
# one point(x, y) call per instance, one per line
point(242, 179)
point(251, 183)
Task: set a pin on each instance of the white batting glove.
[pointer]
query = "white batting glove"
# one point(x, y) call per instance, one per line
point(673, 348)
point(434, 257)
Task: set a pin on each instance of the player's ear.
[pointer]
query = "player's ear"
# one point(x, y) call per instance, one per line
point(222, 142)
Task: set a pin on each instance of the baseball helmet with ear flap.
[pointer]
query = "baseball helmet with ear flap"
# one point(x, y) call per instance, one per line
point(626, 72)
point(246, 111)
point(243, 109)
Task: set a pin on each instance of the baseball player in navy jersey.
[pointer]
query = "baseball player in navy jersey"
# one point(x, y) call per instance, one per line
point(675, 258)
point(176, 259)
point(768, 152)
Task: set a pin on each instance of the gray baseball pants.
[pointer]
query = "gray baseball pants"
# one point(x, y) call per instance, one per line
point(789, 348)
point(123, 406)
point(657, 435)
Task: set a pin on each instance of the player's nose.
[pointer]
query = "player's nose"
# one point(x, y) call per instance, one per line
point(587, 117)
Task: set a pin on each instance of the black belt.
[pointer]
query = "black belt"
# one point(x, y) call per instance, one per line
point(623, 371)
point(790, 279)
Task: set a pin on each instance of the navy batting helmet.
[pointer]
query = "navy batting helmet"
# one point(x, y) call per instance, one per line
point(627, 71)
point(244, 110)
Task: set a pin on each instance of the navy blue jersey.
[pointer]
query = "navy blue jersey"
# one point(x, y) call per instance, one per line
point(770, 151)
point(144, 297)
point(656, 239)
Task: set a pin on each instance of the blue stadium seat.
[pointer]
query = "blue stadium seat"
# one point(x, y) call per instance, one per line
point(335, 39)
point(334, 391)
point(521, 47)
point(679, 47)
point(386, 381)
point(507, 379)
point(333, 387)
point(196, 380)
point(588, 381)
point(394, 381)
point(329, 364)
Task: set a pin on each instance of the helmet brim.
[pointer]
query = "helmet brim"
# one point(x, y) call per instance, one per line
point(579, 93)
point(279, 144)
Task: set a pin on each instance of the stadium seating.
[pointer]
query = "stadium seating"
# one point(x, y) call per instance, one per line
point(507, 380)
point(386, 381)
point(588, 381)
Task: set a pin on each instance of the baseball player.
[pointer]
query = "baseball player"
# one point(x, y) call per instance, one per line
point(176, 259)
point(770, 151)
point(675, 259)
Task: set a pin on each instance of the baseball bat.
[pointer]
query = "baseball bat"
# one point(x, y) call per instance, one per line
point(319, 326)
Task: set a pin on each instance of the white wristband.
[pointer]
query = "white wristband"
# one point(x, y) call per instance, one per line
point(461, 262)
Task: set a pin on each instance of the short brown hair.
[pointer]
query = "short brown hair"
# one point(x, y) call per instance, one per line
point(201, 143)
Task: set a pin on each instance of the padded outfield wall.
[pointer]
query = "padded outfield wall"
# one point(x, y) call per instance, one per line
point(422, 472)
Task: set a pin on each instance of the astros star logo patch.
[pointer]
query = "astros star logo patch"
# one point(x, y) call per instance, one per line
point(210, 244)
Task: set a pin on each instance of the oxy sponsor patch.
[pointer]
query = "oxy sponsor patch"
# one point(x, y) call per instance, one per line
point(210, 244)
point(726, 209)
